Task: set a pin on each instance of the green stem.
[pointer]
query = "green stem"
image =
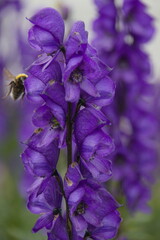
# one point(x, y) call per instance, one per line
point(69, 135)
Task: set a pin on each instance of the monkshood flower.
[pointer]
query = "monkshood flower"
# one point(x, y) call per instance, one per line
point(47, 203)
point(137, 22)
point(134, 122)
point(92, 208)
point(106, 29)
point(40, 161)
point(48, 31)
point(106, 37)
point(69, 85)
point(131, 64)
point(38, 79)
point(15, 3)
point(94, 145)
point(51, 116)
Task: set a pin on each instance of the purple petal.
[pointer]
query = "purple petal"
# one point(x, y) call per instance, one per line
point(106, 94)
point(42, 40)
point(42, 222)
point(77, 40)
point(34, 87)
point(72, 92)
point(59, 231)
point(42, 116)
point(43, 138)
point(76, 196)
point(80, 224)
point(57, 93)
point(53, 72)
point(56, 110)
point(72, 178)
point(50, 20)
point(71, 66)
point(83, 127)
point(89, 88)
point(35, 163)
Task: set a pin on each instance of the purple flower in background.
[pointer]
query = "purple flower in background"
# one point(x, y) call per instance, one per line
point(137, 22)
point(15, 3)
point(134, 122)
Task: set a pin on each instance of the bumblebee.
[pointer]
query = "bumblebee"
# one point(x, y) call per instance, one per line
point(16, 86)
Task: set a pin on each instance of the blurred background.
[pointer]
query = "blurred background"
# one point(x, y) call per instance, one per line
point(16, 221)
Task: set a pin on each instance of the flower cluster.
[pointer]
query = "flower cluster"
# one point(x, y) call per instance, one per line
point(14, 3)
point(135, 127)
point(69, 85)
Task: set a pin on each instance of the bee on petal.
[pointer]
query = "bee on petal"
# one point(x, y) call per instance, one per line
point(16, 86)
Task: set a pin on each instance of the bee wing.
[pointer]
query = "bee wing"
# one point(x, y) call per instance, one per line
point(8, 74)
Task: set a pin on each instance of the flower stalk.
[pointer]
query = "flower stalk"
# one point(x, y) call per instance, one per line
point(69, 115)
point(69, 134)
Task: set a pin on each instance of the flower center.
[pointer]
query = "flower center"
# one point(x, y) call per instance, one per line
point(80, 209)
point(88, 236)
point(54, 123)
point(92, 156)
point(76, 76)
point(56, 211)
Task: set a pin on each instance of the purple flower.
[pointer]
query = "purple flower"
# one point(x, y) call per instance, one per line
point(69, 85)
point(51, 116)
point(48, 31)
point(47, 203)
point(108, 230)
point(137, 22)
point(94, 144)
point(77, 41)
point(91, 206)
point(134, 123)
point(137, 194)
point(38, 79)
point(131, 64)
point(15, 3)
point(40, 161)
point(59, 231)
point(76, 78)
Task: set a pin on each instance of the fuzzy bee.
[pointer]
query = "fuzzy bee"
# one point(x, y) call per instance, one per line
point(16, 86)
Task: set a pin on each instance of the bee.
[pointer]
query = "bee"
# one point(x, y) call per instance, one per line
point(16, 86)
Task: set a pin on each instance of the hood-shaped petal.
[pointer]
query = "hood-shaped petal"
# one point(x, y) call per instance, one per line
point(42, 116)
point(72, 92)
point(43, 221)
point(59, 231)
point(42, 40)
point(50, 20)
point(41, 161)
point(33, 88)
point(56, 92)
point(85, 124)
point(51, 73)
point(77, 41)
point(72, 178)
point(56, 110)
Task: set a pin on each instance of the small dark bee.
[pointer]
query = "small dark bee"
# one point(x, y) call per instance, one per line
point(16, 85)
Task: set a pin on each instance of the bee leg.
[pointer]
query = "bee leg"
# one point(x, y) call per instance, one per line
point(23, 95)
point(10, 89)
